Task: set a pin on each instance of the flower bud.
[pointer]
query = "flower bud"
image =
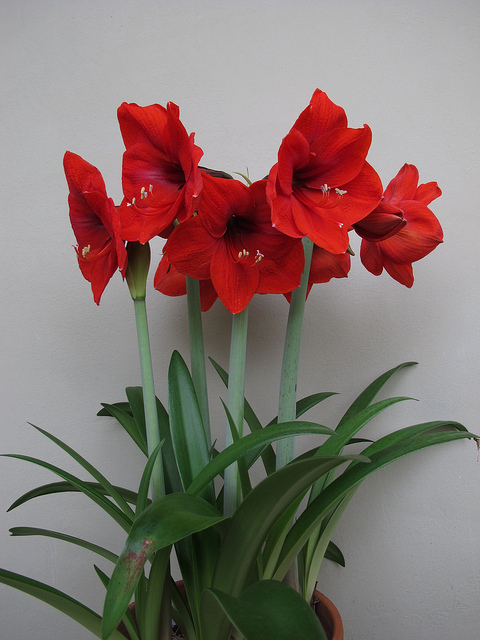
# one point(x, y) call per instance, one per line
point(137, 269)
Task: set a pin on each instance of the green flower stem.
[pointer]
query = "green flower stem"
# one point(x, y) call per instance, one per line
point(291, 355)
point(149, 399)
point(197, 353)
point(236, 387)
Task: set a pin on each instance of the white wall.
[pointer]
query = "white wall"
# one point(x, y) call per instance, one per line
point(241, 73)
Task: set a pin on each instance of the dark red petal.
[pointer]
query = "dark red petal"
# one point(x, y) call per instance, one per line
point(363, 194)
point(282, 216)
point(320, 116)
point(143, 224)
point(234, 282)
point(403, 186)
point(190, 248)
point(178, 145)
point(384, 222)
point(142, 124)
point(320, 226)
point(145, 165)
point(171, 283)
point(326, 265)
point(402, 273)
point(168, 281)
point(283, 273)
point(293, 155)
point(418, 238)
point(208, 295)
point(371, 257)
point(82, 175)
point(337, 157)
point(427, 192)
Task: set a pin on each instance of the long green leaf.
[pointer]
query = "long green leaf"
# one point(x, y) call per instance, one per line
point(250, 442)
point(368, 394)
point(128, 422)
point(347, 481)
point(34, 531)
point(89, 468)
point(350, 427)
point(142, 500)
point(165, 522)
point(188, 434)
point(61, 601)
point(137, 407)
point(63, 487)
point(318, 543)
point(269, 610)
point(117, 514)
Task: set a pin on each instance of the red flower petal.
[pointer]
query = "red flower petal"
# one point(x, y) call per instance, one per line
point(190, 248)
point(427, 192)
point(235, 282)
point(171, 283)
point(417, 239)
point(336, 158)
point(403, 186)
point(142, 124)
point(320, 116)
point(402, 273)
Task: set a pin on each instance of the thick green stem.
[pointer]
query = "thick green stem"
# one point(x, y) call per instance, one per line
point(197, 353)
point(291, 355)
point(236, 387)
point(149, 399)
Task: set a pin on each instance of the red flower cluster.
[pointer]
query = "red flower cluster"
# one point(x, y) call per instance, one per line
point(238, 240)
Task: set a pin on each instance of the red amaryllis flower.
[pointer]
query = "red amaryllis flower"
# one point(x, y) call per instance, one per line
point(95, 222)
point(232, 242)
point(171, 283)
point(160, 177)
point(416, 239)
point(322, 184)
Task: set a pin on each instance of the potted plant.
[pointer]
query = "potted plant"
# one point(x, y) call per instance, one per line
point(249, 554)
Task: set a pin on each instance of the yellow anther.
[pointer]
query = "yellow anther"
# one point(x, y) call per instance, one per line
point(85, 250)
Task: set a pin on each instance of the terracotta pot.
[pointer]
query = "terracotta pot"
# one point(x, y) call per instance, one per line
point(324, 608)
point(328, 615)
